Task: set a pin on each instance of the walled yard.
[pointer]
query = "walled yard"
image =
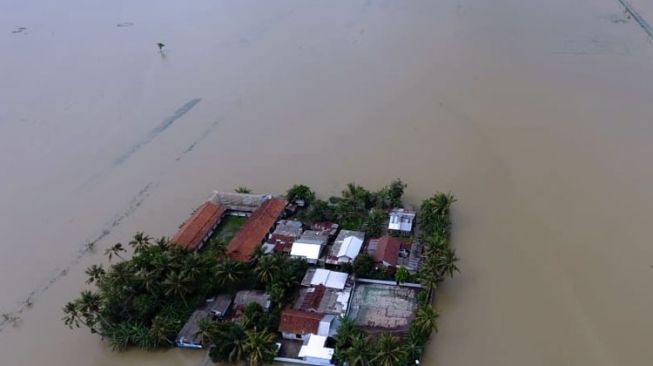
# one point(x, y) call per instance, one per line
point(379, 307)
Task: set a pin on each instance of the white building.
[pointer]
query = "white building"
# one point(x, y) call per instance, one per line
point(401, 220)
point(321, 276)
point(314, 350)
point(309, 246)
point(349, 249)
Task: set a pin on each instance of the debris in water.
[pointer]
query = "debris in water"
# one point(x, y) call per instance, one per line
point(19, 30)
point(124, 24)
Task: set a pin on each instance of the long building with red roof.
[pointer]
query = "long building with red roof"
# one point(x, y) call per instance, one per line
point(255, 230)
point(199, 227)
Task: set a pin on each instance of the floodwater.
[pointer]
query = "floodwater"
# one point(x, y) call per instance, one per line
point(536, 114)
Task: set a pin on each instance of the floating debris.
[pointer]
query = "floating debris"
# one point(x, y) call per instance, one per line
point(19, 30)
point(124, 24)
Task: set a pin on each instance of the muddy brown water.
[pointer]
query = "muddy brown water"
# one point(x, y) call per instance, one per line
point(536, 114)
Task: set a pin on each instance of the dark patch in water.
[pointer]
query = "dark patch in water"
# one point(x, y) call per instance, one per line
point(19, 30)
point(157, 130)
point(124, 24)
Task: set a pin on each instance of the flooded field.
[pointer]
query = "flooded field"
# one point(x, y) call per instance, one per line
point(536, 114)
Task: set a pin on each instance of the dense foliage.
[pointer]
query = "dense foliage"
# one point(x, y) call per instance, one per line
point(144, 301)
point(356, 208)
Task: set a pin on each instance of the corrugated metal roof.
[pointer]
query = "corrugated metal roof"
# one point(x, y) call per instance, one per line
point(192, 232)
point(350, 247)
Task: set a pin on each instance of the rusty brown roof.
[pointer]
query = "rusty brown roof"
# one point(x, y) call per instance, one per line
point(387, 250)
point(299, 322)
point(193, 231)
point(256, 227)
point(313, 298)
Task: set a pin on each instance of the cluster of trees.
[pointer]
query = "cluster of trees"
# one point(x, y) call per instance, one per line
point(356, 208)
point(145, 300)
point(439, 258)
point(251, 340)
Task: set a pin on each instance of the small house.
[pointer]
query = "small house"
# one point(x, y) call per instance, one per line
point(215, 308)
point(401, 220)
point(315, 352)
point(349, 249)
point(385, 251)
point(309, 246)
point(298, 324)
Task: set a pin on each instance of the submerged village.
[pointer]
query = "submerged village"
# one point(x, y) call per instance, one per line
point(258, 278)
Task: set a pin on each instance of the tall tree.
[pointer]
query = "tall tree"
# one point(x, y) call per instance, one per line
point(259, 346)
point(140, 242)
point(359, 353)
point(115, 250)
point(426, 319)
point(228, 272)
point(266, 268)
point(177, 284)
point(388, 351)
point(95, 273)
point(207, 330)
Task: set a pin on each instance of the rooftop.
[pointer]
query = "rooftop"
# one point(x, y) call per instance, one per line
point(332, 301)
point(299, 322)
point(320, 276)
point(289, 228)
point(315, 348)
point(384, 250)
point(198, 226)
point(282, 243)
point(217, 306)
point(330, 228)
point(254, 231)
point(241, 202)
point(401, 219)
point(332, 257)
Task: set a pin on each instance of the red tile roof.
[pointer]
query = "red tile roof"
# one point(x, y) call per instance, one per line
point(313, 299)
point(193, 231)
point(387, 250)
point(299, 322)
point(256, 227)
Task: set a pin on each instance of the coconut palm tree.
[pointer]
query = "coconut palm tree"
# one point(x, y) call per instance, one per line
point(162, 329)
point(259, 346)
point(140, 242)
point(426, 319)
point(115, 250)
point(228, 272)
point(442, 202)
point(266, 268)
point(243, 189)
point(163, 242)
point(229, 343)
point(177, 284)
point(447, 263)
point(95, 273)
point(389, 351)
point(72, 317)
point(359, 353)
point(207, 330)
